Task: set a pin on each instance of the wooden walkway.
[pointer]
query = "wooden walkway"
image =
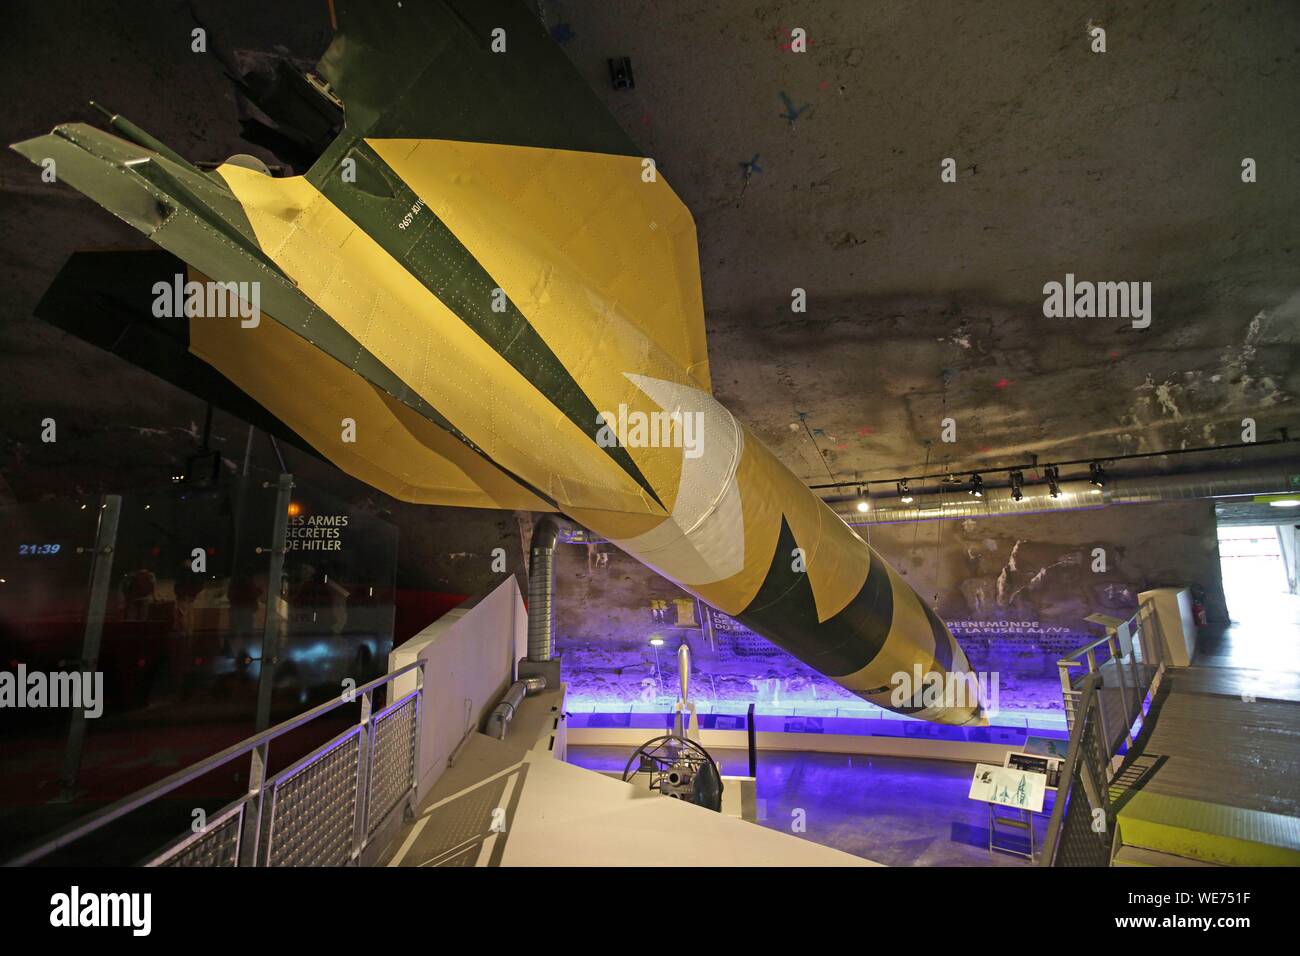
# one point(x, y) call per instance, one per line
point(1222, 759)
point(1227, 742)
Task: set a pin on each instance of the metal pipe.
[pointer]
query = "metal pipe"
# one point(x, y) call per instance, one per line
point(101, 568)
point(272, 633)
point(684, 670)
point(681, 717)
point(534, 684)
point(138, 136)
point(751, 741)
point(1074, 496)
point(499, 720)
point(541, 589)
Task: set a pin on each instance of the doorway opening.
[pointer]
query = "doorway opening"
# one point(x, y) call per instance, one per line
point(1259, 573)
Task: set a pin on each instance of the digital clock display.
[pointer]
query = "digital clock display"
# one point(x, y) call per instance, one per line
point(38, 549)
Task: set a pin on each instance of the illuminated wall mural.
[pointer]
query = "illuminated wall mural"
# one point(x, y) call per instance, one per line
point(1014, 590)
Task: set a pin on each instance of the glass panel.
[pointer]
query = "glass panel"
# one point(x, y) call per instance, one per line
point(180, 661)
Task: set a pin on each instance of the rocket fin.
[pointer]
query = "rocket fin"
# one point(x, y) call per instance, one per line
point(482, 71)
point(589, 236)
point(468, 128)
point(391, 447)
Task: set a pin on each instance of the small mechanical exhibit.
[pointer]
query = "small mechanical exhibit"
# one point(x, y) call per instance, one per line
point(656, 437)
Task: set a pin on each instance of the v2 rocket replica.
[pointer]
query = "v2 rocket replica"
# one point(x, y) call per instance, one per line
point(482, 272)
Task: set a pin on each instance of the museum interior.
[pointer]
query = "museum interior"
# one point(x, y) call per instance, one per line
point(499, 433)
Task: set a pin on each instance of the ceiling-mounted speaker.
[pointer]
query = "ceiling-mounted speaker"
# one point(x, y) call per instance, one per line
point(620, 73)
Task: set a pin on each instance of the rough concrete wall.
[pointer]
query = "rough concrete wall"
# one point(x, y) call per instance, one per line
point(924, 298)
point(1015, 590)
point(1042, 565)
point(1124, 165)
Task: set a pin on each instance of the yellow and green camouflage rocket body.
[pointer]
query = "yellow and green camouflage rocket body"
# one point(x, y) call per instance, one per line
point(481, 273)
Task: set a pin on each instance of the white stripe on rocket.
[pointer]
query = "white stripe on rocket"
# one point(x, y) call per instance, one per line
point(703, 539)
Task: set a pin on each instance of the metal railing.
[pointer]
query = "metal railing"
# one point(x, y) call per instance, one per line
point(1103, 705)
point(321, 810)
point(1135, 659)
point(1082, 815)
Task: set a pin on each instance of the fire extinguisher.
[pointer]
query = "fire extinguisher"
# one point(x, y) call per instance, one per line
point(1198, 613)
point(1198, 606)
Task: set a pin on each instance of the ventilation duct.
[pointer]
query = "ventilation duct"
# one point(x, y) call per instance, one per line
point(499, 720)
point(541, 590)
point(955, 502)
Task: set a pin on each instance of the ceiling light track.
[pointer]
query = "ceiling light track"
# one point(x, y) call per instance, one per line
point(1094, 465)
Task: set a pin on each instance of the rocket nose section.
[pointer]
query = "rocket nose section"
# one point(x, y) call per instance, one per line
point(956, 697)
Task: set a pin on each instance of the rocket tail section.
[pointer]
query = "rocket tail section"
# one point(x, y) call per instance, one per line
point(483, 266)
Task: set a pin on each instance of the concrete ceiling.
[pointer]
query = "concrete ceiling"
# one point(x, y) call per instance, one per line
point(924, 298)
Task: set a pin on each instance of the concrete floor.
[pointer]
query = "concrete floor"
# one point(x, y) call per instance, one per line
point(1264, 633)
point(898, 811)
point(1242, 705)
point(1222, 754)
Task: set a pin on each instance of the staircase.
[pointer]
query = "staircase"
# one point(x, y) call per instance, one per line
point(1210, 780)
point(1215, 783)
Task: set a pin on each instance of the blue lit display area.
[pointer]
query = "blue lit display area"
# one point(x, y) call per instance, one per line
point(628, 678)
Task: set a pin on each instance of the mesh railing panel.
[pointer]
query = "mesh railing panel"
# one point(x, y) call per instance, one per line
point(392, 772)
point(1116, 695)
point(313, 810)
point(1079, 844)
point(321, 810)
point(219, 846)
point(1115, 705)
point(1094, 751)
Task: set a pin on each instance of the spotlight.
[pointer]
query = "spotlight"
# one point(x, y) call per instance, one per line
point(976, 486)
point(1053, 480)
point(1017, 482)
point(1096, 475)
point(863, 504)
point(904, 492)
point(656, 642)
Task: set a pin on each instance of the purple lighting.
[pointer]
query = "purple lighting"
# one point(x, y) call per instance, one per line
point(622, 673)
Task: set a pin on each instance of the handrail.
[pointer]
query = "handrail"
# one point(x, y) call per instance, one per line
point(114, 811)
point(1072, 756)
point(1084, 703)
point(1072, 659)
point(1132, 632)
